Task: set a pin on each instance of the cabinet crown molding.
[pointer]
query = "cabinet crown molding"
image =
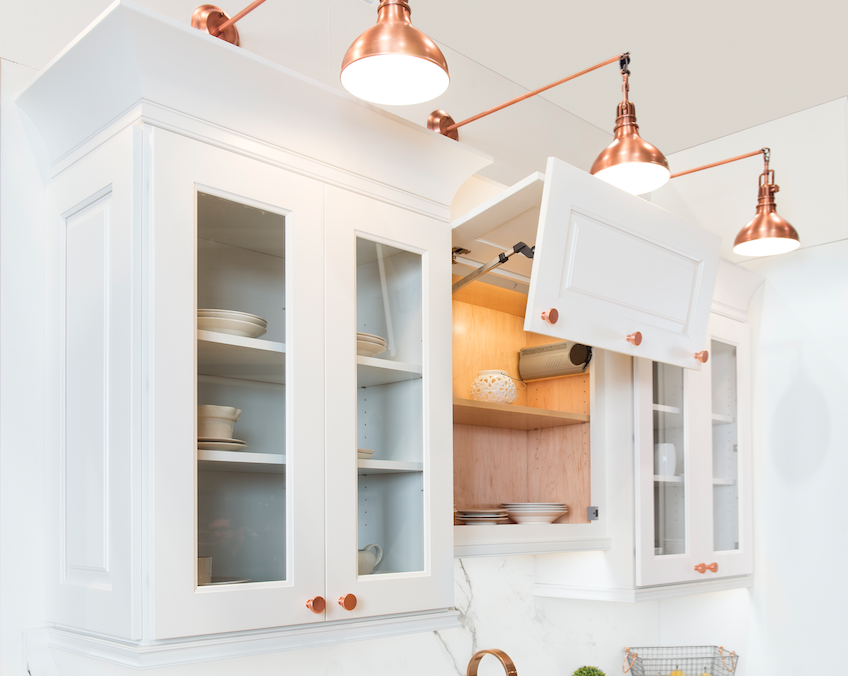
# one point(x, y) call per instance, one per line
point(735, 286)
point(131, 54)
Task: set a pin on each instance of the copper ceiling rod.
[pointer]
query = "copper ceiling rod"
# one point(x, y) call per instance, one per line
point(761, 151)
point(443, 123)
point(215, 21)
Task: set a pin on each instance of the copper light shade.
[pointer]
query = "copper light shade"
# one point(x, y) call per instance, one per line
point(768, 233)
point(630, 162)
point(393, 63)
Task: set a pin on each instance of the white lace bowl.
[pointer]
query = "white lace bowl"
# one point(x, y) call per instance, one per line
point(494, 386)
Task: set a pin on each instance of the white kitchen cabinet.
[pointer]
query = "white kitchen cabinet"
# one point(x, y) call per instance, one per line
point(612, 265)
point(154, 213)
point(693, 458)
point(685, 498)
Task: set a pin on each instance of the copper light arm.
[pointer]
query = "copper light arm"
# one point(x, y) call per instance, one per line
point(761, 151)
point(247, 10)
point(457, 125)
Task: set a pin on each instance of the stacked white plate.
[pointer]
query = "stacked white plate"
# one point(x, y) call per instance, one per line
point(534, 512)
point(231, 322)
point(482, 517)
point(364, 453)
point(215, 444)
point(369, 345)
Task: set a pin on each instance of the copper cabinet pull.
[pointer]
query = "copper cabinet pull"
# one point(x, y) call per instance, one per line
point(635, 338)
point(348, 601)
point(701, 568)
point(702, 356)
point(316, 604)
point(550, 316)
point(713, 567)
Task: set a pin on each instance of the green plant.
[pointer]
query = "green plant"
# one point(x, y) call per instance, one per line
point(589, 671)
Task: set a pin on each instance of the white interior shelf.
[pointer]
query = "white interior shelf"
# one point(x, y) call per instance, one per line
point(719, 419)
point(388, 466)
point(239, 461)
point(724, 482)
point(668, 479)
point(371, 371)
point(667, 409)
point(223, 355)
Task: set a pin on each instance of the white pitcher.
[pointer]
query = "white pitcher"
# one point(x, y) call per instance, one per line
point(369, 559)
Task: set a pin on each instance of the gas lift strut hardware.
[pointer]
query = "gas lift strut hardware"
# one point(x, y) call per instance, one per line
point(502, 258)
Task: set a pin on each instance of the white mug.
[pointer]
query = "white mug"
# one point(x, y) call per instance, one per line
point(665, 459)
point(368, 559)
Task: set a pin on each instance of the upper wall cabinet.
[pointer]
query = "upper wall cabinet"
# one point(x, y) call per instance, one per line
point(248, 331)
point(610, 269)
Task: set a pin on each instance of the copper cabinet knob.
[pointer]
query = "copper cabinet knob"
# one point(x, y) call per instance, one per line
point(702, 356)
point(348, 601)
point(316, 604)
point(550, 316)
point(713, 567)
point(635, 338)
point(701, 568)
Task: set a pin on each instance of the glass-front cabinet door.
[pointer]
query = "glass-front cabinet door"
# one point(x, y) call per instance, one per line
point(666, 463)
point(236, 395)
point(726, 385)
point(389, 526)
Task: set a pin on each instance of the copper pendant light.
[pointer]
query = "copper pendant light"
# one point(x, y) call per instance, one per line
point(768, 233)
point(630, 162)
point(394, 63)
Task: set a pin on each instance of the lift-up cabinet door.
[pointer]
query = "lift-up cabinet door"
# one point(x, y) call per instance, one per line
point(613, 265)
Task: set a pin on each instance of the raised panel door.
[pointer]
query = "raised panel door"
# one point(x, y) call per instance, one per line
point(612, 265)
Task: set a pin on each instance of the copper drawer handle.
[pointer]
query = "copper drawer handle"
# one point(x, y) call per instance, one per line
point(635, 338)
point(702, 356)
point(316, 604)
point(701, 568)
point(550, 316)
point(348, 601)
point(713, 567)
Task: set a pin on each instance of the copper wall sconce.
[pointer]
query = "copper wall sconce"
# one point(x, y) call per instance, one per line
point(767, 234)
point(629, 162)
point(215, 21)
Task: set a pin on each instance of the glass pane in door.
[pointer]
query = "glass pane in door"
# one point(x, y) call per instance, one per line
point(669, 460)
point(241, 393)
point(725, 447)
point(390, 436)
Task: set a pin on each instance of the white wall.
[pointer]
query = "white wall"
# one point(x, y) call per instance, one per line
point(793, 620)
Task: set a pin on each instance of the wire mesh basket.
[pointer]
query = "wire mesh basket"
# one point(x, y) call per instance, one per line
point(680, 661)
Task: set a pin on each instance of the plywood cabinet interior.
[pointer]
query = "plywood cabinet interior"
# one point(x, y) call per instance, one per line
point(537, 449)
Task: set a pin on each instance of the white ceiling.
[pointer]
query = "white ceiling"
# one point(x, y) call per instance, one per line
point(699, 71)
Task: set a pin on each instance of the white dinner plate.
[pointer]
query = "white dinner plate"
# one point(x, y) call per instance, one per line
point(372, 336)
point(228, 440)
point(497, 522)
point(369, 349)
point(232, 327)
point(233, 314)
point(220, 446)
point(533, 504)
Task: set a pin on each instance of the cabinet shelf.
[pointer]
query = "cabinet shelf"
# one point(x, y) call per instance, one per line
point(719, 419)
point(679, 479)
point(239, 461)
point(223, 355)
point(507, 416)
point(371, 372)
point(667, 409)
point(388, 467)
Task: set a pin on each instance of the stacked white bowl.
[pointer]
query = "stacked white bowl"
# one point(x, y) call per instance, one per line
point(534, 512)
point(215, 428)
point(369, 345)
point(231, 322)
point(364, 453)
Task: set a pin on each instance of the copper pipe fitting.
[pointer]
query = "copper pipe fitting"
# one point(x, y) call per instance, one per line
point(713, 567)
point(348, 601)
point(550, 316)
point(316, 604)
point(635, 338)
point(702, 356)
point(701, 568)
point(506, 662)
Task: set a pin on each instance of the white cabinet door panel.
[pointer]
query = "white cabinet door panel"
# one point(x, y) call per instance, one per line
point(612, 264)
